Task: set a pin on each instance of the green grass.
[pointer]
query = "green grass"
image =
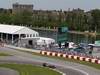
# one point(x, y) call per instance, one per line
point(30, 69)
point(4, 54)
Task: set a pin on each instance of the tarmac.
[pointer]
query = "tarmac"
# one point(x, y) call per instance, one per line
point(69, 68)
point(7, 71)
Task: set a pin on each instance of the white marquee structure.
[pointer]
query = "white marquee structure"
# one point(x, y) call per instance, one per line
point(12, 32)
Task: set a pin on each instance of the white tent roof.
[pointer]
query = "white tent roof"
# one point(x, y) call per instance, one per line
point(12, 29)
point(44, 40)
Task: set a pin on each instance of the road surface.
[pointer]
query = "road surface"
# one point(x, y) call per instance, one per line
point(6, 71)
point(69, 68)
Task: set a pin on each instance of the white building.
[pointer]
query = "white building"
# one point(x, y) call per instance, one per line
point(12, 33)
point(45, 41)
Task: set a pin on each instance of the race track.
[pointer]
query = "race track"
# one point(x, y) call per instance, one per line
point(6, 71)
point(67, 67)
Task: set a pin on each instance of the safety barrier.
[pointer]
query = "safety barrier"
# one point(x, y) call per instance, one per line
point(92, 60)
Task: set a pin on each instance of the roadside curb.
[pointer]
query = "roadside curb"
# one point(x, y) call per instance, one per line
point(92, 60)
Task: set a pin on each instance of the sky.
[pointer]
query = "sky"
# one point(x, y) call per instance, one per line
point(54, 4)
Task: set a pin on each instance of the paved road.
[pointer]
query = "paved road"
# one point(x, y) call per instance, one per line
point(6, 71)
point(68, 67)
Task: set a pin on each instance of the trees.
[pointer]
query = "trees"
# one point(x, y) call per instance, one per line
point(23, 18)
point(76, 19)
point(95, 20)
point(5, 18)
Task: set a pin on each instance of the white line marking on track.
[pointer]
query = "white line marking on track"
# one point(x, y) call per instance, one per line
point(78, 70)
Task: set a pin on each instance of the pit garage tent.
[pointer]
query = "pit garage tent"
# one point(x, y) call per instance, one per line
point(45, 41)
point(8, 32)
point(12, 29)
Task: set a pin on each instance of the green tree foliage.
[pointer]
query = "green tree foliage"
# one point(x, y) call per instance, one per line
point(23, 18)
point(5, 18)
point(95, 20)
point(76, 19)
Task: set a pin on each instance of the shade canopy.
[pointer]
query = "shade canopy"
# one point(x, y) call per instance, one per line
point(12, 29)
point(45, 41)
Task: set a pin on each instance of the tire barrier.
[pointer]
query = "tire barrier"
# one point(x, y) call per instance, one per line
point(92, 60)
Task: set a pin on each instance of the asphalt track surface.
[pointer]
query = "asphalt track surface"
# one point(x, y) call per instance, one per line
point(6, 71)
point(69, 68)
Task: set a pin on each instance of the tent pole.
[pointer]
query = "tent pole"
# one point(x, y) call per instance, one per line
point(12, 39)
point(19, 40)
point(6, 38)
point(1, 36)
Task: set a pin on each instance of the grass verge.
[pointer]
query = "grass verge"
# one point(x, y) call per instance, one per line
point(4, 54)
point(30, 69)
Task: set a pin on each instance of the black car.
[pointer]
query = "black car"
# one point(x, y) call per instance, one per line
point(48, 65)
point(52, 66)
point(44, 64)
